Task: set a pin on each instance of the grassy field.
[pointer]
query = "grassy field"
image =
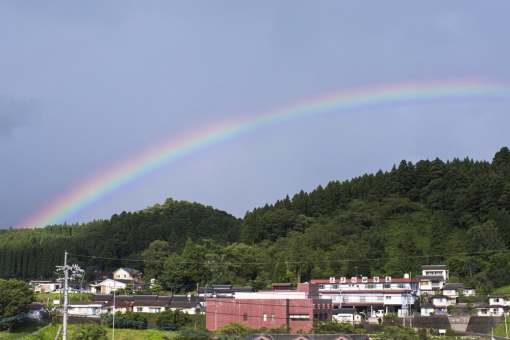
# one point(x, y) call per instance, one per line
point(120, 334)
point(502, 290)
point(24, 330)
point(47, 298)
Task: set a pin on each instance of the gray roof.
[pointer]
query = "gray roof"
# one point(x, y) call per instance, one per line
point(150, 303)
point(102, 297)
point(453, 286)
point(433, 266)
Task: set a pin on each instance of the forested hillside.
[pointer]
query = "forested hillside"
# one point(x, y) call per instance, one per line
point(27, 253)
point(389, 223)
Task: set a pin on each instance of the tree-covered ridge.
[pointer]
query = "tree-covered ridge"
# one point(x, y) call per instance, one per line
point(28, 254)
point(389, 223)
point(466, 191)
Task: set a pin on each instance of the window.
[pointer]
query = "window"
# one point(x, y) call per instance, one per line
point(299, 317)
point(321, 286)
point(401, 285)
point(272, 317)
point(334, 286)
point(245, 317)
point(496, 300)
point(387, 286)
point(388, 297)
point(139, 309)
point(264, 317)
point(370, 286)
point(124, 275)
point(154, 310)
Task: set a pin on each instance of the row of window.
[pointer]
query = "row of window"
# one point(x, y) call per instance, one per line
point(367, 286)
point(292, 317)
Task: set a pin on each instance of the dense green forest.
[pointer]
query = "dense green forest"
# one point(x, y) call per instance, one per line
point(389, 223)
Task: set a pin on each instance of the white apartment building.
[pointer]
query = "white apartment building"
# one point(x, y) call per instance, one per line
point(374, 296)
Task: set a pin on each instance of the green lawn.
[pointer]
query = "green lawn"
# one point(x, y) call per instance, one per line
point(502, 290)
point(28, 327)
point(120, 334)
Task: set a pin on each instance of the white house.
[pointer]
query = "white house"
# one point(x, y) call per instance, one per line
point(130, 274)
point(85, 308)
point(150, 306)
point(432, 278)
point(349, 315)
point(497, 306)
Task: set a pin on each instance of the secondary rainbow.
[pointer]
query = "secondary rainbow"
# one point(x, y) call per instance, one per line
point(92, 189)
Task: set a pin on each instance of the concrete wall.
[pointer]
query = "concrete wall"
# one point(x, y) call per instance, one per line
point(435, 321)
point(483, 324)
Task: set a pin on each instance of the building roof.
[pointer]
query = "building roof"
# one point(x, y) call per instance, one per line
point(344, 311)
point(36, 306)
point(184, 304)
point(354, 291)
point(433, 266)
point(118, 304)
point(452, 286)
point(370, 280)
point(86, 303)
point(430, 277)
point(131, 271)
point(498, 296)
point(150, 303)
point(102, 297)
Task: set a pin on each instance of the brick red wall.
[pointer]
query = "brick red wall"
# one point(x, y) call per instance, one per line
point(221, 311)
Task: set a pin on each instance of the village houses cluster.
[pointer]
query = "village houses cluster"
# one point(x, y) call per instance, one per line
point(353, 300)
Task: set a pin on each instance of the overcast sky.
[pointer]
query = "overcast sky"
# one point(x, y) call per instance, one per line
point(85, 85)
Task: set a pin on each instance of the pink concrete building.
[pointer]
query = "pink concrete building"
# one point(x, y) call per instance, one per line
point(270, 309)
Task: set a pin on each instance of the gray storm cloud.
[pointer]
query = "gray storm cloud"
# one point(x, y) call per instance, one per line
point(15, 113)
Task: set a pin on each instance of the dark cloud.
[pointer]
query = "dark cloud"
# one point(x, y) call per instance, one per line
point(15, 113)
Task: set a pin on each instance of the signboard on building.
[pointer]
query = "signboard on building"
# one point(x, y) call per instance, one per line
point(331, 280)
point(343, 280)
point(354, 280)
point(376, 279)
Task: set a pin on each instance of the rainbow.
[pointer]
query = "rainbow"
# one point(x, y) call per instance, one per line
point(86, 193)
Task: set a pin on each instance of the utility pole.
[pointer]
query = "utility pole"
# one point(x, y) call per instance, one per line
point(75, 271)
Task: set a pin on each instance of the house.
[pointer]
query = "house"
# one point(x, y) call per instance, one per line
point(109, 285)
point(41, 286)
point(116, 305)
point(497, 306)
point(349, 315)
point(36, 311)
point(270, 309)
point(372, 295)
point(85, 308)
point(427, 308)
point(432, 278)
point(188, 304)
point(129, 274)
point(150, 306)
point(441, 303)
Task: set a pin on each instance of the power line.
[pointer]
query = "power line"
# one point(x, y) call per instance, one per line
point(296, 262)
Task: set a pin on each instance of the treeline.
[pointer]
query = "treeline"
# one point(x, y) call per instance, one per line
point(389, 223)
point(32, 254)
